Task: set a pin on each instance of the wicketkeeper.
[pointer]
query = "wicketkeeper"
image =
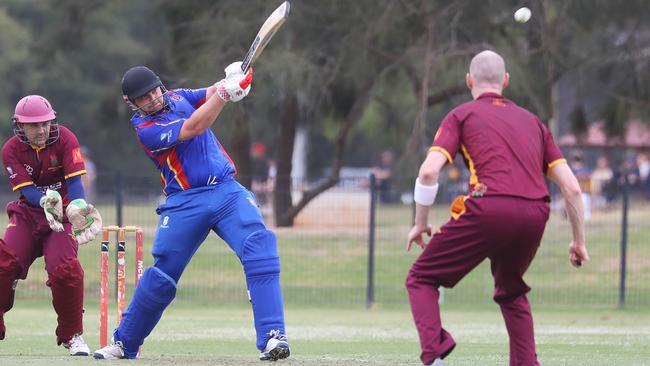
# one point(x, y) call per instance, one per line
point(44, 163)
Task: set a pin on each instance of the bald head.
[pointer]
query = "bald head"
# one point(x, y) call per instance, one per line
point(488, 70)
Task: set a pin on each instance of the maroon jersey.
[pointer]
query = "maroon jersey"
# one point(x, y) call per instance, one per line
point(46, 167)
point(505, 147)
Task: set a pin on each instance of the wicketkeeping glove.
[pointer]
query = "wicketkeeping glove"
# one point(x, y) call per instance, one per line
point(235, 86)
point(85, 219)
point(53, 207)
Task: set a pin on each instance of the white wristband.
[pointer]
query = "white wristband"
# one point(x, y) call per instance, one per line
point(424, 195)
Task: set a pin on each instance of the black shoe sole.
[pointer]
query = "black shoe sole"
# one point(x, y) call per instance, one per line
point(278, 353)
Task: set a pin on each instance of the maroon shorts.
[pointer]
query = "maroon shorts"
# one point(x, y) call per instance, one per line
point(507, 230)
point(30, 237)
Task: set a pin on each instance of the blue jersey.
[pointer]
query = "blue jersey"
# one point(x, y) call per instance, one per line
point(198, 162)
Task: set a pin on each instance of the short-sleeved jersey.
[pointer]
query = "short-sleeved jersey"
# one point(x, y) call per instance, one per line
point(198, 162)
point(506, 148)
point(45, 167)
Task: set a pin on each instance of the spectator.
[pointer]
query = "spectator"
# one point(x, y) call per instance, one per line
point(600, 180)
point(456, 182)
point(90, 178)
point(383, 171)
point(643, 164)
point(629, 174)
point(583, 174)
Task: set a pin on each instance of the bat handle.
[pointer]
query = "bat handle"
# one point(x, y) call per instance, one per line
point(246, 64)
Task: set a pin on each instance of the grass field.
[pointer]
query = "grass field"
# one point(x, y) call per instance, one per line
point(324, 262)
point(324, 269)
point(224, 336)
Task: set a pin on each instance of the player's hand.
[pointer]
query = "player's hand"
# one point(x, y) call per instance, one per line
point(415, 236)
point(53, 207)
point(236, 85)
point(85, 219)
point(578, 254)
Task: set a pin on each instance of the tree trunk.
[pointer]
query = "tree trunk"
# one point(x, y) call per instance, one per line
point(351, 119)
point(421, 89)
point(282, 193)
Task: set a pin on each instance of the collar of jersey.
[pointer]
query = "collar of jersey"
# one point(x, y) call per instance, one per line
point(490, 95)
point(27, 147)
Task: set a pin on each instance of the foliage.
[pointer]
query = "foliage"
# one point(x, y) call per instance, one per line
point(363, 76)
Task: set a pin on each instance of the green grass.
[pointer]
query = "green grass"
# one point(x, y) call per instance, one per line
point(324, 262)
point(554, 281)
point(224, 336)
point(324, 269)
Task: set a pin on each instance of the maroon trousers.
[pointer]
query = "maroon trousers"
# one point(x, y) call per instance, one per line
point(507, 230)
point(27, 237)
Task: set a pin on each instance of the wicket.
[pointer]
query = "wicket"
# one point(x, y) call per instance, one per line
point(121, 273)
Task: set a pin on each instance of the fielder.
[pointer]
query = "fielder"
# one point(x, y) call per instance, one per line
point(44, 162)
point(173, 128)
point(507, 150)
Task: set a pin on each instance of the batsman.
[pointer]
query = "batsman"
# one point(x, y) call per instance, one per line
point(51, 217)
point(173, 128)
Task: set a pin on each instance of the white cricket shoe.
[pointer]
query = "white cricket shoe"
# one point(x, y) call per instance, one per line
point(113, 351)
point(437, 362)
point(277, 347)
point(77, 346)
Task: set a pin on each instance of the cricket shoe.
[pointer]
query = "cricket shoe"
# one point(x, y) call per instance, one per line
point(436, 362)
point(113, 351)
point(277, 347)
point(77, 346)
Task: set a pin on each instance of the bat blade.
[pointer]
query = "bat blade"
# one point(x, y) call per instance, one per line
point(266, 32)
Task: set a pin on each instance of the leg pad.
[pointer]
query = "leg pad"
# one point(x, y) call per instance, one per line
point(155, 291)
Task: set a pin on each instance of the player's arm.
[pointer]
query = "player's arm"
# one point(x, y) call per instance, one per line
point(425, 191)
point(234, 87)
point(210, 91)
point(84, 217)
point(19, 179)
point(202, 118)
point(31, 194)
point(562, 175)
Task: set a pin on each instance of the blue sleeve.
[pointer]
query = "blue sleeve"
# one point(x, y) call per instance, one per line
point(75, 188)
point(32, 195)
point(161, 135)
point(196, 97)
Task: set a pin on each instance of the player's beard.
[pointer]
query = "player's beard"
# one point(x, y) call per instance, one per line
point(39, 139)
point(154, 107)
point(35, 138)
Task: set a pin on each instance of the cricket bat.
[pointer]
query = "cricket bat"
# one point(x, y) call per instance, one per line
point(268, 29)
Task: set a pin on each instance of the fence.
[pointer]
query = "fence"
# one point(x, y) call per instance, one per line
point(326, 259)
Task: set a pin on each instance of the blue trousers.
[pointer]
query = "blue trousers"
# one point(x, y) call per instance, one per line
point(186, 219)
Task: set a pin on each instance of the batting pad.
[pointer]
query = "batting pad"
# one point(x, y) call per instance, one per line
point(154, 292)
point(262, 267)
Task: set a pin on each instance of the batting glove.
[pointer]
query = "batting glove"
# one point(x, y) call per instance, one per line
point(53, 207)
point(85, 219)
point(235, 86)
